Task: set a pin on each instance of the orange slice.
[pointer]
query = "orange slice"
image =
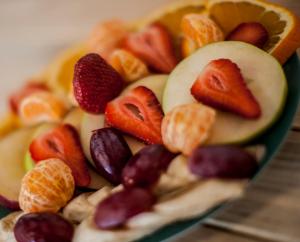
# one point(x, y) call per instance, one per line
point(47, 187)
point(42, 107)
point(59, 74)
point(282, 25)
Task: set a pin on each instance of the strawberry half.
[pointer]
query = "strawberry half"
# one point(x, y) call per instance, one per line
point(154, 46)
point(138, 113)
point(95, 83)
point(253, 33)
point(29, 88)
point(222, 86)
point(63, 143)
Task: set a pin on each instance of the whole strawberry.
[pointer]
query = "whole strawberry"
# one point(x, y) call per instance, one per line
point(95, 83)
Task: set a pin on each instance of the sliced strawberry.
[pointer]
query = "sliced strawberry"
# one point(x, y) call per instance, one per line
point(29, 88)
point(138, 113)
point(95, 83)
point(154, 46)
point(63, 143)
point(222, 86)
point(253, 33)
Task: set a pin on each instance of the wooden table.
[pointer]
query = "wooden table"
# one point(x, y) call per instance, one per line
point(33, 31)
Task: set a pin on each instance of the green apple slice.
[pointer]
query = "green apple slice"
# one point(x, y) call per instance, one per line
point(12, 149)
point(263, 74)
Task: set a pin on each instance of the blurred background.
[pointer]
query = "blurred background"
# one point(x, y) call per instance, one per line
point(32, 32)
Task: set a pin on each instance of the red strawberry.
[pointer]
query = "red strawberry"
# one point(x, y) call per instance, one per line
point(222, 86)
point(137, 113)
point(95, 83)
point(29, 88)
point(63, 143)
point(253, 33)
point(154, 46)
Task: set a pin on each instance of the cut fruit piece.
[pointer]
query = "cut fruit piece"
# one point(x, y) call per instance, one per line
point(29, 162)
point(282, 25)
point(92, 122)
point(74, 118)
point(154, 46)
point(263, 74)
point(156, 83)
point(252, 33)
point(170, 16)
point(9, 123)
point(137, 113)
point(63, 143)
point(60, 73)
point(198, 31)
point(42, 107)
point(222, 86)
point(13, 148)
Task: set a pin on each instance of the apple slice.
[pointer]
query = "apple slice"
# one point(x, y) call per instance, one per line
point(74, 118)
point(12, 149)
point(263, 74)
point(92, 122)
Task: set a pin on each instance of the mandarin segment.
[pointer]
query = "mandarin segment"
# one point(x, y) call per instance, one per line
point(42, 107)
point(129, 66)
point(199, 30)
point(106, 37)
point(47, 187)
point(187, 126)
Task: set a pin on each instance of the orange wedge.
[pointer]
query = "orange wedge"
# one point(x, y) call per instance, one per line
point(41, 107)
point(282, 25)
point(60, 73)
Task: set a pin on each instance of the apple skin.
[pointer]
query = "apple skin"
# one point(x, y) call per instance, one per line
point(264, 77)
point(11, 205)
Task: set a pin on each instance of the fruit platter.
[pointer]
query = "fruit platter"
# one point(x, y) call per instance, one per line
point(147, 127)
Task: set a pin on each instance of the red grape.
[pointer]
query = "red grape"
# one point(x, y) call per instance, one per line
point(145, 167)
point(110, 153)
point(114, 211)
point(43, 227)
point(222, 162)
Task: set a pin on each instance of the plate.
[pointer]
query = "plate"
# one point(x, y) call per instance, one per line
point(272, 139)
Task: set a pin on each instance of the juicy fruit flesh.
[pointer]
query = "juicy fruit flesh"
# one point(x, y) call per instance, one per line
point(48, 227)
point(115, 210)
point(222, 86)
point(228, 16)
point(263, 75)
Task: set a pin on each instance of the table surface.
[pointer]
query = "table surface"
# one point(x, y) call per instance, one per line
point(33, 31)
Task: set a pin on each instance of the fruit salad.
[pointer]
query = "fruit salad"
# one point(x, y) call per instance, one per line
point(144, 123)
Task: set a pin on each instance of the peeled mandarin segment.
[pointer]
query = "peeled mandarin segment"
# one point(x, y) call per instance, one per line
point(47, 187)
point(106, 37)
point(130, 67)
point(41, 107)
point(199, 30)
point(282, 25)
point(187, 126)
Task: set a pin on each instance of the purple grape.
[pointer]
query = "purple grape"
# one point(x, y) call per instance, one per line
point(114, 211)
point(110, 153)
point(227, 162)
point(43, 227)
point(145, 168)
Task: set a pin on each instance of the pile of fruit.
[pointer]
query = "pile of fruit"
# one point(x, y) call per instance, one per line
point(144, 123)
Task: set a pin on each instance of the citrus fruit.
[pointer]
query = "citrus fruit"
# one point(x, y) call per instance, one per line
point(47, 187)
point(61, 70)
point(283, 27)
point(41, 107)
